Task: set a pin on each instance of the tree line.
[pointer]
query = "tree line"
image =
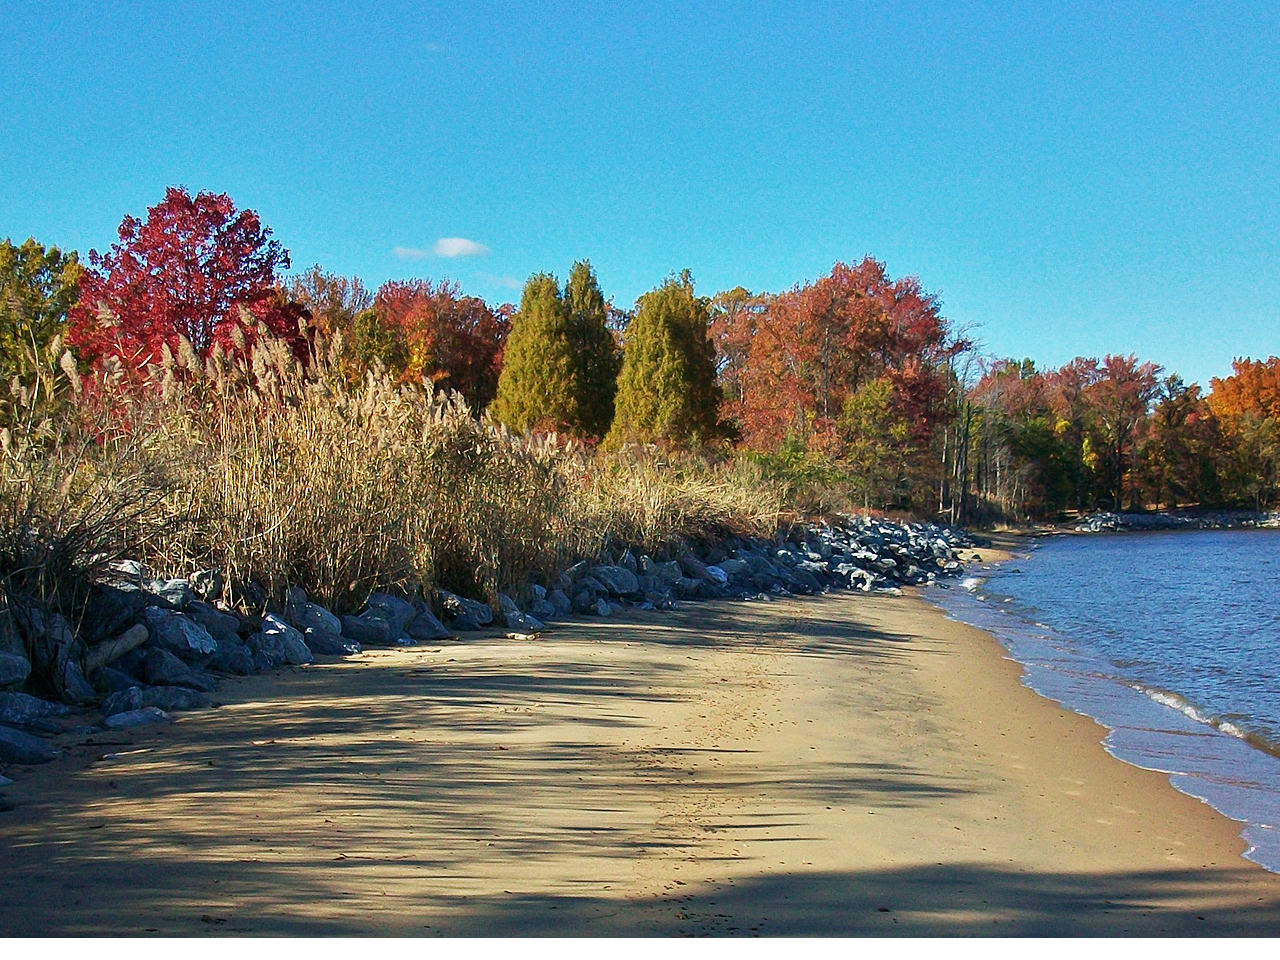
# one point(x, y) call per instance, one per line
point(854, 388)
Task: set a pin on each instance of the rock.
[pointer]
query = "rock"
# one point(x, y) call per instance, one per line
point(311, 616)
point(162, 668)
point(619, 581)
point(109, 651)
point(207, 584)
point(14, 670)
point(109, 610)
point(513, 619)
point(267, 649)
point(455, 606)
point(173, 632)
point(20, 708)
point(136, 718)
point(601, 608)
point(290, 640)
point(718, 574)
point(424, 625)
point(668, 572)
point(629, 562)
point(328, 644)
point(75, 687)
point(122, 701)
point(22, 748)
point(396, 611)
point(543, 610)
point(583, 601)
point(233, 658)
point(735, 568)
point(223, 627)
point(372, 631)
point(561, 602)
point(693, 568)
point(174, 698)
point(117, 680)
point(176, 593)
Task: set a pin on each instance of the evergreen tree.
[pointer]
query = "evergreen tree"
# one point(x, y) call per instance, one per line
point(537, 388)
point(37, 288)
point(596, 351)
point(667, 391)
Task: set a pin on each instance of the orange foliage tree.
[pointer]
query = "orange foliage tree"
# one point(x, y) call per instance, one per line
point(454, 341)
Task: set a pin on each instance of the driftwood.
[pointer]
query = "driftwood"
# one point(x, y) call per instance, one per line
point(109, 650)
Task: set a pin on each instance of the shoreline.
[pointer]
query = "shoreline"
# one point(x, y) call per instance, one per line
point(847, 764)
point(1147, 726)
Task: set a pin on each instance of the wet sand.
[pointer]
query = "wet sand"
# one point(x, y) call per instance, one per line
point(840, 765)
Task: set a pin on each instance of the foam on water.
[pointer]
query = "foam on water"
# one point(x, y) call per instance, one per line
point(1198, 711)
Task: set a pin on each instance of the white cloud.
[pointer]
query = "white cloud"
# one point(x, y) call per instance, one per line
point(409, 253)
point(511, 283)
point(459, 247)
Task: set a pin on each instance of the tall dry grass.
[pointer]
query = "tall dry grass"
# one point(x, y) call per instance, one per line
point(279, 476)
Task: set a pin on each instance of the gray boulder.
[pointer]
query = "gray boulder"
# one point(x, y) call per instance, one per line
point(718, 574)
point(20, 708)
point(109, 610)
point(619, 581)
point(668, 572)
point(75, 687)
point(172, 632)
point(368, 630)
point(116, 680)
point(460, 608)
point(543, 610)
point(122, 701)
point(396, 611)
point(324, 644)
point(233, 658)
point(162, 668)
point(514, 619)
point(176, 593)
point(312, 616)
point(289, 640)
point(14, 670)
point(174, 698)
point(23, 748)
point(561, 602)
point(136, 718)
point(735, 567)
point(425, 627)
point(601, 608)
point(693, 568)
point(223, 627)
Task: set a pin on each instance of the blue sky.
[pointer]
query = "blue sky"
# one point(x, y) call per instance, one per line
point(1072, 178)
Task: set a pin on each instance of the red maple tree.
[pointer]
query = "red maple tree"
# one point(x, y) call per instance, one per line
point(193, 270)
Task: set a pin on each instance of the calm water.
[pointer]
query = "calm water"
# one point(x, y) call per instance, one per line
point(1171, 640)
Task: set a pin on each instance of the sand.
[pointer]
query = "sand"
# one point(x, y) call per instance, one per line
point(841, 765)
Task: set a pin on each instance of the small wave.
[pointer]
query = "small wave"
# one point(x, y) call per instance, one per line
point(1189, 709)
point(972, 583)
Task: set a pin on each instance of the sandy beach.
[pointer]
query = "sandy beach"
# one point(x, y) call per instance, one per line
point(841, 765)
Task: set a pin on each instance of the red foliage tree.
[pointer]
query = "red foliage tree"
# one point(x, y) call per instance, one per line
point(812, 348)
point(191, 271)
point(454, 341)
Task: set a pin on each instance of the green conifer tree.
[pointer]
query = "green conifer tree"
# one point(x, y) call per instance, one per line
point(537, 388)
point(596, 351)
point(667, 391)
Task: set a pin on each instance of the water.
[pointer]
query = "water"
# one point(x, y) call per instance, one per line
point(1171, 640)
